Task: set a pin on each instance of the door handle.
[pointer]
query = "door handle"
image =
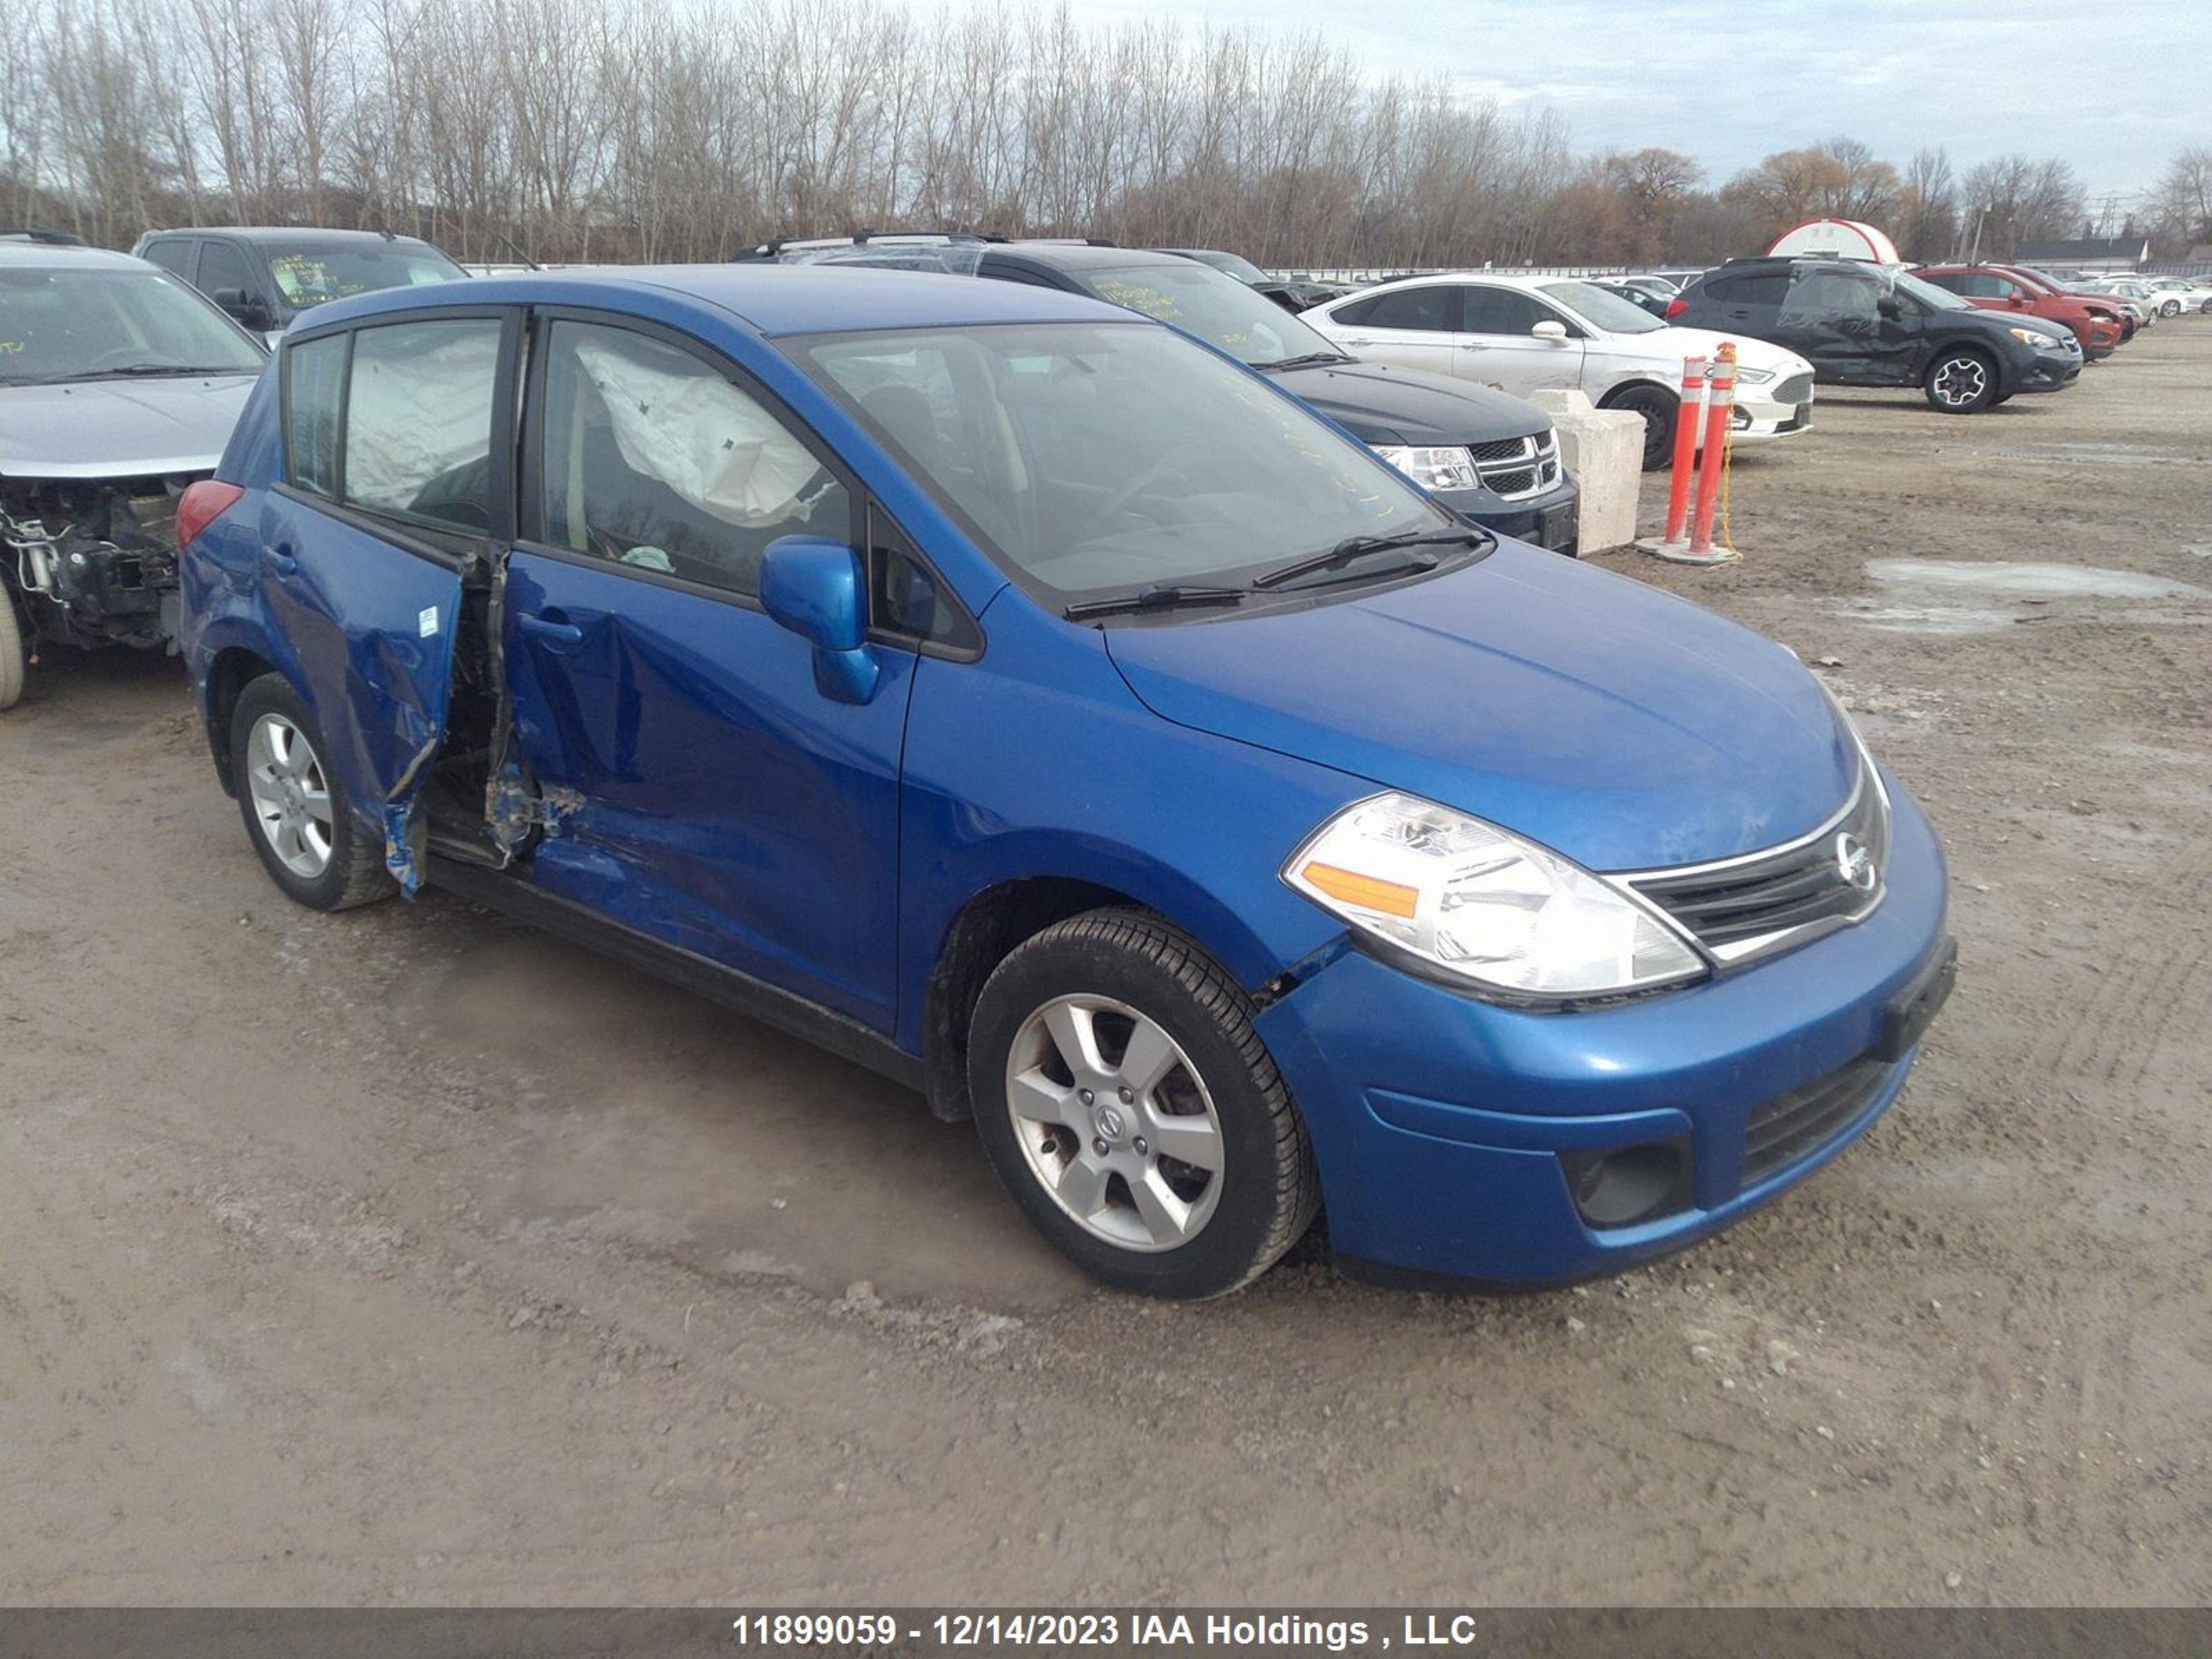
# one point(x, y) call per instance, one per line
point(1354, 339)
point(557, 634)
point(280, 558)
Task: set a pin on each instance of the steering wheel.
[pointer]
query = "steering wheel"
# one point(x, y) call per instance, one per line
point(1167, 465)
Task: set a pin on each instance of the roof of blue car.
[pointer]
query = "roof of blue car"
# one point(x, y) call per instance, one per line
point(775, 299)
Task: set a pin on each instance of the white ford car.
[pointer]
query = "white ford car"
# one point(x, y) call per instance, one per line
point(1525, 334)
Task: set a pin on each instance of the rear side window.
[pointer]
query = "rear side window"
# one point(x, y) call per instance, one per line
point(1428, 307)
point(1766, 290)
point(656, 458)
point(174, 256)
point(419, 419)
point(315, 388)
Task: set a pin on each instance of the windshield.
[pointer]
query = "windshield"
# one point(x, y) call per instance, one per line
point(1607, 311)
point(1235, 264)
point(308, 274)
point(62, 323)
point(1098, 459)
point(1219, 309)
point(1927, 292)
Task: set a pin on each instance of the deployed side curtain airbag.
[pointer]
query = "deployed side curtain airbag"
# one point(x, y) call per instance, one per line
point(704, 438)
point(419, 410)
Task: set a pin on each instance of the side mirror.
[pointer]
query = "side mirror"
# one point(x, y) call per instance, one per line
point(244, 309)
point(811, 585)
point(1548, 330)
point(1889, 307)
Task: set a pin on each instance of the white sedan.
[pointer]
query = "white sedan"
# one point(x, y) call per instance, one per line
point(1525, 334)
point(2176, 295)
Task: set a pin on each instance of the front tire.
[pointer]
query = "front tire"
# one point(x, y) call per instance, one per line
point(1961, 382)
point(1131, 1110)
point(297, 813)
point(12, 657)
point(1660, 408)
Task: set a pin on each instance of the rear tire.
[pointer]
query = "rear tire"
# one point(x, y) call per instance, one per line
point(1133, 1113)
point(1660, 408)
point(297, 814)
point(1960, 382)
point(11, 652)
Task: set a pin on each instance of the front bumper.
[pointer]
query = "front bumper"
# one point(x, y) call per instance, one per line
point(1549, 520)
point(1438, 1120)
point(2051, 371)
point(1757, 419)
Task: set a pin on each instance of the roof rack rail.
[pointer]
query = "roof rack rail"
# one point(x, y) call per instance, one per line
point(46, 234)
point(775, 247)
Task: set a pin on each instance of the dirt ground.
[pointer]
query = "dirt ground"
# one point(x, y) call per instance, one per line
point(408, 1257)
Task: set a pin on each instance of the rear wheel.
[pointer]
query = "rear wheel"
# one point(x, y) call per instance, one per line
point(296, 811)
point(2171, 308)
point(1961, 382)
point(1658, 407)
point(1132, 1112)
point(11, 652)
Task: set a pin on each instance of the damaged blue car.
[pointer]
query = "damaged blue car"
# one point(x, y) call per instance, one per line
point(1025, 700)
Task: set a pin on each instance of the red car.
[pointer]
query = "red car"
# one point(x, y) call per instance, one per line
point(2002, 287)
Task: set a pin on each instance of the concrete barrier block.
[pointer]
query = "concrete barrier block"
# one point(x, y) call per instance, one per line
point(1604, 449)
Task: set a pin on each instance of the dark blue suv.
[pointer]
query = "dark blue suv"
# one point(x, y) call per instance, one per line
point(1024, 699)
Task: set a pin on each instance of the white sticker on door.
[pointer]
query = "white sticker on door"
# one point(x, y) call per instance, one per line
point(427, 622)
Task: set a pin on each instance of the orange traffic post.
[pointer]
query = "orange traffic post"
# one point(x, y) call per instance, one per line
point(1688, 417)
point(1720, 409)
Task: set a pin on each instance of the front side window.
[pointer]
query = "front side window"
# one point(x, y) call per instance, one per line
point(1096, 459)
point(1504, 310)
point(76, 323)
point(1828, 297)
point(224, 271)
point(419, 421)
point(655, 458)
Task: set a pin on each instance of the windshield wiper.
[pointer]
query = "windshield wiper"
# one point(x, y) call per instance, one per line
point(161, 368)
point(1352, 549)
point(1311, 360)
point(1160, 596)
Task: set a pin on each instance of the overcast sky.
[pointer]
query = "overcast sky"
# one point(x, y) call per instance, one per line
point(2115, 86)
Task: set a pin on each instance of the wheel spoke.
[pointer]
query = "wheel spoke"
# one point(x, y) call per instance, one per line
point(1036, 1098)
point(1075, 1033)
point(1193, 1140)
point(1149, 1058)
point(317, 803)
point(1166, 1217)
point(1081, 1187)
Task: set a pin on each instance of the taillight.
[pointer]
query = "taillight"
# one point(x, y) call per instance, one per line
point(201, 505)
point(1676, 306)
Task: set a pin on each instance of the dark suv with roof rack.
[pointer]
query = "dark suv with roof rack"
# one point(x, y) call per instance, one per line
point(265, 276)
point(1490, 457)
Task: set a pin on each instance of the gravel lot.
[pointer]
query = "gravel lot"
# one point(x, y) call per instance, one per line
point(407, 1256)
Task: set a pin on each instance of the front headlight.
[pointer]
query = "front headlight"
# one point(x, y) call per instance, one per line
point(1431, 468)
point(1754, 376)
point(2038, 338)
point(1483, 905)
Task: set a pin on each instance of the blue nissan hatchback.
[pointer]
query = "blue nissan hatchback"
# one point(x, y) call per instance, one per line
point(1019, 697)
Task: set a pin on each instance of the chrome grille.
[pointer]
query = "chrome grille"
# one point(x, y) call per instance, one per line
point(1748, 907)
point(1515, 468)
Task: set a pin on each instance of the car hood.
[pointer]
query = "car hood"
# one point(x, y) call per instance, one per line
point(1625, 728)
point(1672, 344)
point(1380, 404)
point(118, 429)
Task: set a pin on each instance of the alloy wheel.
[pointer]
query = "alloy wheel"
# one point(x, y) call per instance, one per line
point(291, 795)
point(1961, 381)
point(1115, 1123)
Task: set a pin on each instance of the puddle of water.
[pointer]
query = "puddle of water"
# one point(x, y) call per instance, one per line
point(1949, 620)
point(2005, 580)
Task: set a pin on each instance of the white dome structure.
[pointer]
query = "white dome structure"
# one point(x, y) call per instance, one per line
point(1836, 239)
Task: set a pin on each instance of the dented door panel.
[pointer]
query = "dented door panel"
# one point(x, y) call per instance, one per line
point(690, 782)
point(372, 624)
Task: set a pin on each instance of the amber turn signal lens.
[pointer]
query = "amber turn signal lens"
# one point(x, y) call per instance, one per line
point(1391, 898)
